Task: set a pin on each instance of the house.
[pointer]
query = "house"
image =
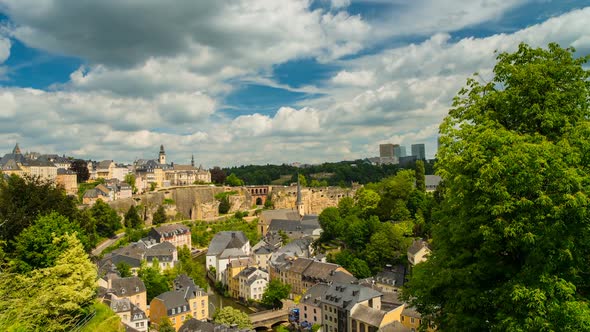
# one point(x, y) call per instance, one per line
point(412, 319)
point(262, 254)
point(130, 288)
point(310, 307)
point(43, 169)
point(303, 273)
point(306, 226)
point(252, 283)
point(186, 299)
point(366, 318)
point(193, 325)
point(418, 252)
point(104, 169)
point(225, 247)
point(99, 192)
point(131, 315)
point(340, 300)
point(68, 180)
point(177, 234)
point(390, 279)
point(234, 267)
point(145, 250)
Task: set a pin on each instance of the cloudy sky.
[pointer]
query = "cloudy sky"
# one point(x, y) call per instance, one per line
point(252, 81)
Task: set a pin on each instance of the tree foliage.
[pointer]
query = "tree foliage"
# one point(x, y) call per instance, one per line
point(217, 175)
point(155, 282)
point(166, 325)
point(420, 176)
point(233, 180)
point(132, 219)
point(51, 298)
point(130, 180)
point(107, 219)
point(23, 199)
point(80, 167)
point(230, 316)
point(36, 247)
point(512, 240)
point(275, 292)
point(159, 216)
point(224, 204)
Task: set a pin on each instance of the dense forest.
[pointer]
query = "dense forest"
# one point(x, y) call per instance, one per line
point(342, 173)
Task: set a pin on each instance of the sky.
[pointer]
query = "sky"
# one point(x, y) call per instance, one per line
point(237, 82)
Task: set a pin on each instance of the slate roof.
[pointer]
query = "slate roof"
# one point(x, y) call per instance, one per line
point(395, 326)
point(345, 296)
point(411, 312)
point(124, 287)
point(221, 241)
point(417, 245)
point(314, 294)
point(10, 165)
point(105, 164)
point(174, 300)
point(193, 325)
point(233, 252)
point(63, 171)
point(171, 230)
point(366, 314)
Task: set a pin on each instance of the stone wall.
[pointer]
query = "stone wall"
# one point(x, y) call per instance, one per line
point(315, 200)
point(196, 202)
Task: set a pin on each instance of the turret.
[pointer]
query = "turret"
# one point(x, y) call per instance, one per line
point(162, 159)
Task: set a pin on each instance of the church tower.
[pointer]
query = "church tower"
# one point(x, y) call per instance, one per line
point(193, 160)
point(162, 158)
point(299, 203)
point(16, 149)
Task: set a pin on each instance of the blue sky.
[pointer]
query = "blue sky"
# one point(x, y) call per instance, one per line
point(252, 81)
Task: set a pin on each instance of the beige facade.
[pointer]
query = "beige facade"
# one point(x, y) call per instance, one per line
point(104, 169)
point(418, 252)
point(68, 181)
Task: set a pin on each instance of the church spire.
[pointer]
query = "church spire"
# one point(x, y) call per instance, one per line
point(193, 160)
point(16, 149)
point(162, 157)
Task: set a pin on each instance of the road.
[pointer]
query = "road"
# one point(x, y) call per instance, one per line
point(99, 248)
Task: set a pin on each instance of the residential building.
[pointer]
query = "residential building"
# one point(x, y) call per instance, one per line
point(177, 234)
point(418, 252)
point(234, 267)
point(99, 192)
point(131, 288)
point(310, 307)
point(252, 283)
point(412, 319)
point(419, 151)
point(147, 250)
point(68, 180)
point(338, 302)
point(42, 169)
point(225, 247)
point(262, 253)
point(186, 299)
point(390, 279)
point(131, 315)
point(59, 161)
point(119, 172)
point(104, 169)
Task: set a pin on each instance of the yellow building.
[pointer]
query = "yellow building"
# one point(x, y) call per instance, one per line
point(67, 180)
point(233, 269)
point(412, 319)
point(186, 299)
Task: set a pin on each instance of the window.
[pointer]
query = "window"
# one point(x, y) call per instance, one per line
point(182, 318)
point(412, 320)
point(402, 318)
point(173, 311)
point(305, 316)
point(314, 310)
point(326, 316)
point(305, 308)
point(203, 312)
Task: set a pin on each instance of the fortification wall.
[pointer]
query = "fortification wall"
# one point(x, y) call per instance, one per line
point(315, 200)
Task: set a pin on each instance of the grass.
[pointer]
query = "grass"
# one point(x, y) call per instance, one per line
point(105, 320)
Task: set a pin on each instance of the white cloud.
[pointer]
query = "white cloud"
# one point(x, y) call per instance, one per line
point(357, 78)
point(339, 3)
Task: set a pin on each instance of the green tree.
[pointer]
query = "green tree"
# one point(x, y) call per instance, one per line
point(166, 325)
point(159, 216)
point(107, 219)
point(331, 223)
point(367, 200)
point(275, 292)
point(511, 242)
point(302, 180)
point(130, 180)
point(124, 269)
point(218, 175)
point(80, 167)
point(233, 181)
point(153, 186)
point(224, 204)
point(155, 282)
point(420, 177)
point(36, 247)
point(23, 199)
point(52, 298)
point(132, 219)
point(229, 316)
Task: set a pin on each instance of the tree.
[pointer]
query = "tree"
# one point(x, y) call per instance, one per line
point(124, 269)
point(23, 199)
point(153, 186)
point(52, 298)
point(159, 216)
point(510, 247)
point(331, 223)
point(233, 181)
point(166, 325)
point(107, 219)
point(420, 177)
point(275, 292)
point(130, 180)
point(217, 175)
point(229, 316)
point(155, 282)
point(302, 180)
point(81, 168)
point(224, 204)
point(36, 247)
point(132, 219)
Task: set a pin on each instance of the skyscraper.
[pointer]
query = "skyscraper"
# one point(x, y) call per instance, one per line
point(386, 150)
point(419, 151)
point(399, 151)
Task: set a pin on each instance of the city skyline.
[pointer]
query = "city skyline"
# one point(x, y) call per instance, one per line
point(253, 82)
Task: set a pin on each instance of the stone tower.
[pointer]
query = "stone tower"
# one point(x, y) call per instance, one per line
point(162, 158)
point(299, 203)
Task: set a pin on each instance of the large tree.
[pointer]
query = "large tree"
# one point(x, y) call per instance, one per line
point(230, 316)
point(132, 219)
point(23, 199)
point(107, 219)
point(512, 243)
point(81, 168)
point(275, 292)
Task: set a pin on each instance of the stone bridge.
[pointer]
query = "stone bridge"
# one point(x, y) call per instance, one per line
point(259, 194)
point(265, 320)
